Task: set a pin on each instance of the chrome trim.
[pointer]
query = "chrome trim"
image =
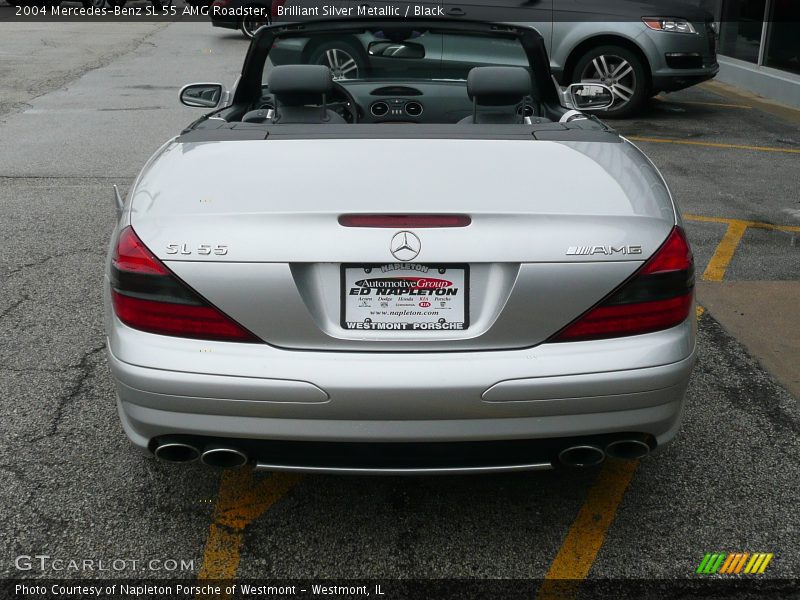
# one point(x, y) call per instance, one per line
point(223, 452)
point(572, 463)
point(262, 466)
point(223, 94)
point(643, 449)
point(376, 103)
point(421, 108)
point(158, 452)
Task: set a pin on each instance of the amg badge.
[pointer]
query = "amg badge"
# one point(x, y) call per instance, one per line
point(607, 250)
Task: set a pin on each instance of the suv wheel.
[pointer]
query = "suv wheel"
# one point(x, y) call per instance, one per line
point(251, 23)
point(621, 70)
point(344, 60)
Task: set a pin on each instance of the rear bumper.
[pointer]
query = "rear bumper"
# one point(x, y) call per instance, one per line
point(413, 398)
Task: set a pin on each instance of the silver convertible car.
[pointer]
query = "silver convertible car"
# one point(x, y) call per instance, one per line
point(426, 271)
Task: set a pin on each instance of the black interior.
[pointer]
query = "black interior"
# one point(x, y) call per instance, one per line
point(309, 105)
point(379, 101)
point(432, 102)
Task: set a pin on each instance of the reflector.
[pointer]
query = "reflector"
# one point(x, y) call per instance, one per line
point(400, 221)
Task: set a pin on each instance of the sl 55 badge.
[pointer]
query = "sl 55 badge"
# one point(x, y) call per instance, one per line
point(202, 249)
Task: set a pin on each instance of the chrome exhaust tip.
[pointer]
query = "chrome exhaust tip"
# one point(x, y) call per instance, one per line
point(221, 457)
point(581, 456)
point(176, 452)
point(628, 449)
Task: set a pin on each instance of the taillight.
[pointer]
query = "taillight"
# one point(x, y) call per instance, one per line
point(274, 7)
point(658, 296)
point(146, 295)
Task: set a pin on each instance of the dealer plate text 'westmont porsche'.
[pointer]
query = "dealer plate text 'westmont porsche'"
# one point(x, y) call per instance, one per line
point(405, 297)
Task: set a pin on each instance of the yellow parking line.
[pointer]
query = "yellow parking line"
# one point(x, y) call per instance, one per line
point(585, 537)
point(636, 138)
point(715, 270)
point(240, 501)
point(728, 221)
point(587, 533)
point(720, 104)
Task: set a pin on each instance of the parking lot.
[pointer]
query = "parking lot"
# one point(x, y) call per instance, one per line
point(83, 111)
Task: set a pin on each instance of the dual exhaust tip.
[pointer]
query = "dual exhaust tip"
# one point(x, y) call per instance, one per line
point(224, 457)
point(589, 455)
point(221, 457)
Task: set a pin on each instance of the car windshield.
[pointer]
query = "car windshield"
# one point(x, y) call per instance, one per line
point(400, 54)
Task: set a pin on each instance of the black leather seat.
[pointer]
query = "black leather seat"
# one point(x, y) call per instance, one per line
point(501, 88)
point(294, 87)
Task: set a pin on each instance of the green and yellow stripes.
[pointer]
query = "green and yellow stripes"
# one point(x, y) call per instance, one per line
point(710, 563)
point(734, 563)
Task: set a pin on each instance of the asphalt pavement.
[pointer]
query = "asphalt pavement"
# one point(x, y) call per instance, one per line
point(74, 488)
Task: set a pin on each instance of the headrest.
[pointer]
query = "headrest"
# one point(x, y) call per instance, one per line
point(295, 85)
point(498, 86)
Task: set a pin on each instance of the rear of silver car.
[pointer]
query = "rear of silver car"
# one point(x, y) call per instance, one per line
point(498, 368)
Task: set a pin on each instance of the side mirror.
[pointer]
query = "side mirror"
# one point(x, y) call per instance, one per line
point(593, 96)
point(396, 50)
point(201, 95)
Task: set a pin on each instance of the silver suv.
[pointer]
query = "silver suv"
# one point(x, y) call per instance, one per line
point(637, 48)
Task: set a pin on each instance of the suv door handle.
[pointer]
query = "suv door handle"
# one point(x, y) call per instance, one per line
point(456, 12)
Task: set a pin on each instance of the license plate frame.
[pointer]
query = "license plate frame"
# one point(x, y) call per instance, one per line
point(394, 270)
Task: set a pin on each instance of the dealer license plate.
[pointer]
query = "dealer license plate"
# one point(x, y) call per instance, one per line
point(405, 297)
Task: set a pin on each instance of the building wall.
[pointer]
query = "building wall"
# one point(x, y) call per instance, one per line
point(762, 58)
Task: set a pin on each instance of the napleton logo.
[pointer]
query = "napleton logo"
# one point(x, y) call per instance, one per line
point(738, 562)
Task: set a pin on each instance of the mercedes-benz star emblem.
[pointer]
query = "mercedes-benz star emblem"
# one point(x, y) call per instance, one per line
point(405, 246)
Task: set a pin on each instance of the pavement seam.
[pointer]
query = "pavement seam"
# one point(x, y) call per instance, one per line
point(748, 367)
point(80, 177)
point(746, 222)
point(57, 83)
point(656, 140)
point(85, 370)
point(14, 306)
point(47, 259)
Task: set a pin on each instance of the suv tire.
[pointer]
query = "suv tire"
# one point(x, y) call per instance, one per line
point(622, 71)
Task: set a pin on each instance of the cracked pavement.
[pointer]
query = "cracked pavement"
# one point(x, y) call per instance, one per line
point(74, 488)
point(86, 110)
